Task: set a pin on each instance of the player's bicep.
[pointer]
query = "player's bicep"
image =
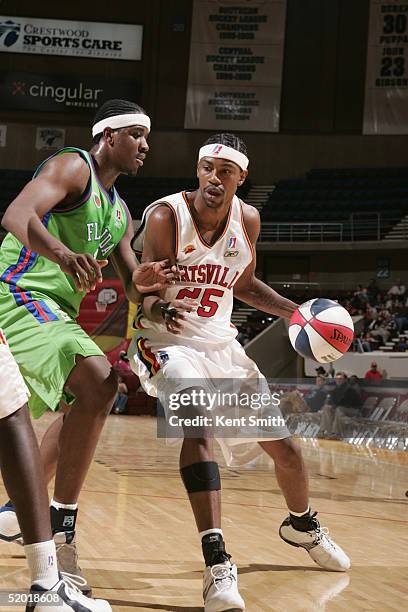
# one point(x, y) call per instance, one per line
point(246, 278)
point(159, 242)
point(252, 226)
point(39, 195)
point(62, 177)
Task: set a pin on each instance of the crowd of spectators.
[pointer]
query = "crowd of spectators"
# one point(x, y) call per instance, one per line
point(384, 316)
point(332, 399)
point(122, 369)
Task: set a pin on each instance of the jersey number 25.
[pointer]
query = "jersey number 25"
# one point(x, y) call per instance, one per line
point(208, 307)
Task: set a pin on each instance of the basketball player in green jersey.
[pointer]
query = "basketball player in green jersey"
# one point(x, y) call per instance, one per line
point(62, 227)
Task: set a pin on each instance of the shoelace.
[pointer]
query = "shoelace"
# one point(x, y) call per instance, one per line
point(322, 533)
point(322, 537)
point(222, 577)
point(73, 581)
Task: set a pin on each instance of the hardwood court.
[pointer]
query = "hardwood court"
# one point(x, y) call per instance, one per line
point(139, 547)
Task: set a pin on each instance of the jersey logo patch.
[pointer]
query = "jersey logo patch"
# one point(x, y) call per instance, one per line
point(231, 253)
point(189, 249)
point(97, 200)
point(232, 242)
point(163, 357)
point(118, 218)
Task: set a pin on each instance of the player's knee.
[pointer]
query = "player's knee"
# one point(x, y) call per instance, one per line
point(98, 393)
point(202, 476)
point(108, 389)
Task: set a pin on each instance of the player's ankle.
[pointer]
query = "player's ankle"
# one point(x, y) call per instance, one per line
point(42, 562)
point(213, 546)
point(302, 521)
point(63, 517)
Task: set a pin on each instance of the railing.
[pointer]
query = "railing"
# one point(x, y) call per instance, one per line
point(356, 228)
point(301, 232)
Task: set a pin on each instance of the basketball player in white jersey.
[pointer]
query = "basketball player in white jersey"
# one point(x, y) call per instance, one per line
point(185, 332)
point(23, 476)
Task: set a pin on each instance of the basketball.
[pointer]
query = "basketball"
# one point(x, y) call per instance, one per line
point(321, 329)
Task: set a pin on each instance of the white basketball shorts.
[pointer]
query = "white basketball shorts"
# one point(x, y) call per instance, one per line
point(167, 370)
point(13, 391)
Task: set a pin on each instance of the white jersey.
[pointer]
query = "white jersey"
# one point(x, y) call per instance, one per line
point(207, 275)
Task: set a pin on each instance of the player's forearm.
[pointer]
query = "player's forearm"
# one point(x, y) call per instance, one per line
point(30, 231)
point(133, 295)
point(262, 297)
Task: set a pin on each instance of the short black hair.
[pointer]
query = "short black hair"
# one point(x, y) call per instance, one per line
point(229, 140)
point(110, 108)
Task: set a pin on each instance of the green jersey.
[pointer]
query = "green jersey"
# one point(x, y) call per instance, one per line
point(93, 225)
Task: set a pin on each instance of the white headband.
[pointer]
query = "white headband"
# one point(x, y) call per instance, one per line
point(120, 121)
point(219, 150)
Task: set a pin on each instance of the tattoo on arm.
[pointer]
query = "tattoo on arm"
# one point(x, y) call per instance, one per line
point(261, 296)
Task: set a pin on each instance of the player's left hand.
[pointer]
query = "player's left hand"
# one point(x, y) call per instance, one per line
point(153, 276)
point(174, 313)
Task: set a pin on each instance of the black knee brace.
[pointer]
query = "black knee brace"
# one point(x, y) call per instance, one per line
point(203, 476)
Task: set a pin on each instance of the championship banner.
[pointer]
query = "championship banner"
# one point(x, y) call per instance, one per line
point(386, 95)
point(75, 38)
point(3, 135)
point(235, 71)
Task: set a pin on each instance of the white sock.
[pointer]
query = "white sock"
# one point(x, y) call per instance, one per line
point(300, 513)
point(42, 562)
point(208, 531)
point(59, 506)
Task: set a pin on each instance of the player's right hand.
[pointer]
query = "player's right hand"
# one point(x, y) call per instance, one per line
point(153, 276)
point(174, 313)
point(85, 270)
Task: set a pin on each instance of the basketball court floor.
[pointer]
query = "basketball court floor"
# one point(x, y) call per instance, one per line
point(140, 549)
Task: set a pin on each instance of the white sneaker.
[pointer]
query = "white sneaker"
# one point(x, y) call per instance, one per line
point(9, 528)
point(323, 550)
point(220, 588)
point(64, 597)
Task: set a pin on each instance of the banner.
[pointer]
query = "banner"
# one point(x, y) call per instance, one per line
point(61, 93)
point(3, 135)
point(386, 95)
point(49, 138)
point(235, 70)
point(77, 38)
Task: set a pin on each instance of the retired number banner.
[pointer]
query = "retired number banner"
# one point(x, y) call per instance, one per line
point(386, 96)
point(235, 70)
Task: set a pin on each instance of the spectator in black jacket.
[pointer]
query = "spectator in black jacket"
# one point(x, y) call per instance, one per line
point(317, 398)
point(343, 401)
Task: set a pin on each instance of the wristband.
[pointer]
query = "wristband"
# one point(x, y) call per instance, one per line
point(165, 310)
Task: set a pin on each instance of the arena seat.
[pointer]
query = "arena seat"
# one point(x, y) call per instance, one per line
point(369, 202)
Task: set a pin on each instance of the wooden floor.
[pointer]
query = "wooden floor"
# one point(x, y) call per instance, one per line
point(139, 547)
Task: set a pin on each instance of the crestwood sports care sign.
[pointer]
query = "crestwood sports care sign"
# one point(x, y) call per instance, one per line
point(74, 38)
point(60, 93)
